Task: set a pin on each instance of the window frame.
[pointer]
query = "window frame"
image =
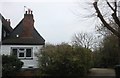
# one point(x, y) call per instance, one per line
point(20, 51)
point(30, 54)
point(24, 51)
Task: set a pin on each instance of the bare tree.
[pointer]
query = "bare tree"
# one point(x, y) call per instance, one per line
point(86, 40)
point(114, 8)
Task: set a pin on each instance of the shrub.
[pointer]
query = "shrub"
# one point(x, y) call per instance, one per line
point(64, 60)
point(10, 65)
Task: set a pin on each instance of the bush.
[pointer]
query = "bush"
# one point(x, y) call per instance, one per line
point(64, 60)
point(10, 65)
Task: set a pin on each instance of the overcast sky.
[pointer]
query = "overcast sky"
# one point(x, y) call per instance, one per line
point(56, 20)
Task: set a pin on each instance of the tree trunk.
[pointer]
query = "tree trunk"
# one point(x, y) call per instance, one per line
point(119, 47)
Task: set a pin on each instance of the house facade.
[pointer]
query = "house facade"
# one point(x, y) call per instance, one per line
point(23, 41)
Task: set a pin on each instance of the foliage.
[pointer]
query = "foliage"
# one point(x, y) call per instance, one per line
point(107, 55)
point(64, 60)
point(10, 65)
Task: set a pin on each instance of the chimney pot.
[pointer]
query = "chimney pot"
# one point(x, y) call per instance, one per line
point(25, 12)
point(31, 12)
point(8, 20)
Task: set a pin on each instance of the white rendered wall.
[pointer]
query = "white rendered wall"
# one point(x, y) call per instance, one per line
point(6, 49)
point(0, 45)
point(0, 28)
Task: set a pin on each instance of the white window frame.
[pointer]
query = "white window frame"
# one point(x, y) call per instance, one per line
point(19, 51)
point(24, 51)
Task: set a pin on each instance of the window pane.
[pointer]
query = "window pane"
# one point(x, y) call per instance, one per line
point(14, 52)
point(28, 53)
point(21, 54)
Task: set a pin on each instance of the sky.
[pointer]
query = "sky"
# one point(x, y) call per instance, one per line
point(56, 20)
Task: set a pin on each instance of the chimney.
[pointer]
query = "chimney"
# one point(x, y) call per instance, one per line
point(8, 22)
point(28, 24)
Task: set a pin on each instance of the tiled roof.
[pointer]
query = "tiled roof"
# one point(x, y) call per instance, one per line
point(16, 37)
point(23, 41)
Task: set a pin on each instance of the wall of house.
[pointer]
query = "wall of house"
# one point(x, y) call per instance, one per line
point(6, 49)
point(119, 10)
point(0, 45)
point(0, 28)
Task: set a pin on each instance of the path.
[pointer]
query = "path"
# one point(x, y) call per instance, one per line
point(102, 72)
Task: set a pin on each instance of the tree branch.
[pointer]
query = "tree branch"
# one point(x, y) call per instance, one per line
point(110, 5)
point(116, 19)
point(114, 15)
point(115, 4)
point(104, 22)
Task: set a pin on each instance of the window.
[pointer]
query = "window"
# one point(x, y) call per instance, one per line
point(14, 52)
point(28, 53)
point(23, 53)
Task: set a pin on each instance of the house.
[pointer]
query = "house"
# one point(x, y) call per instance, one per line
point(23, 41)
